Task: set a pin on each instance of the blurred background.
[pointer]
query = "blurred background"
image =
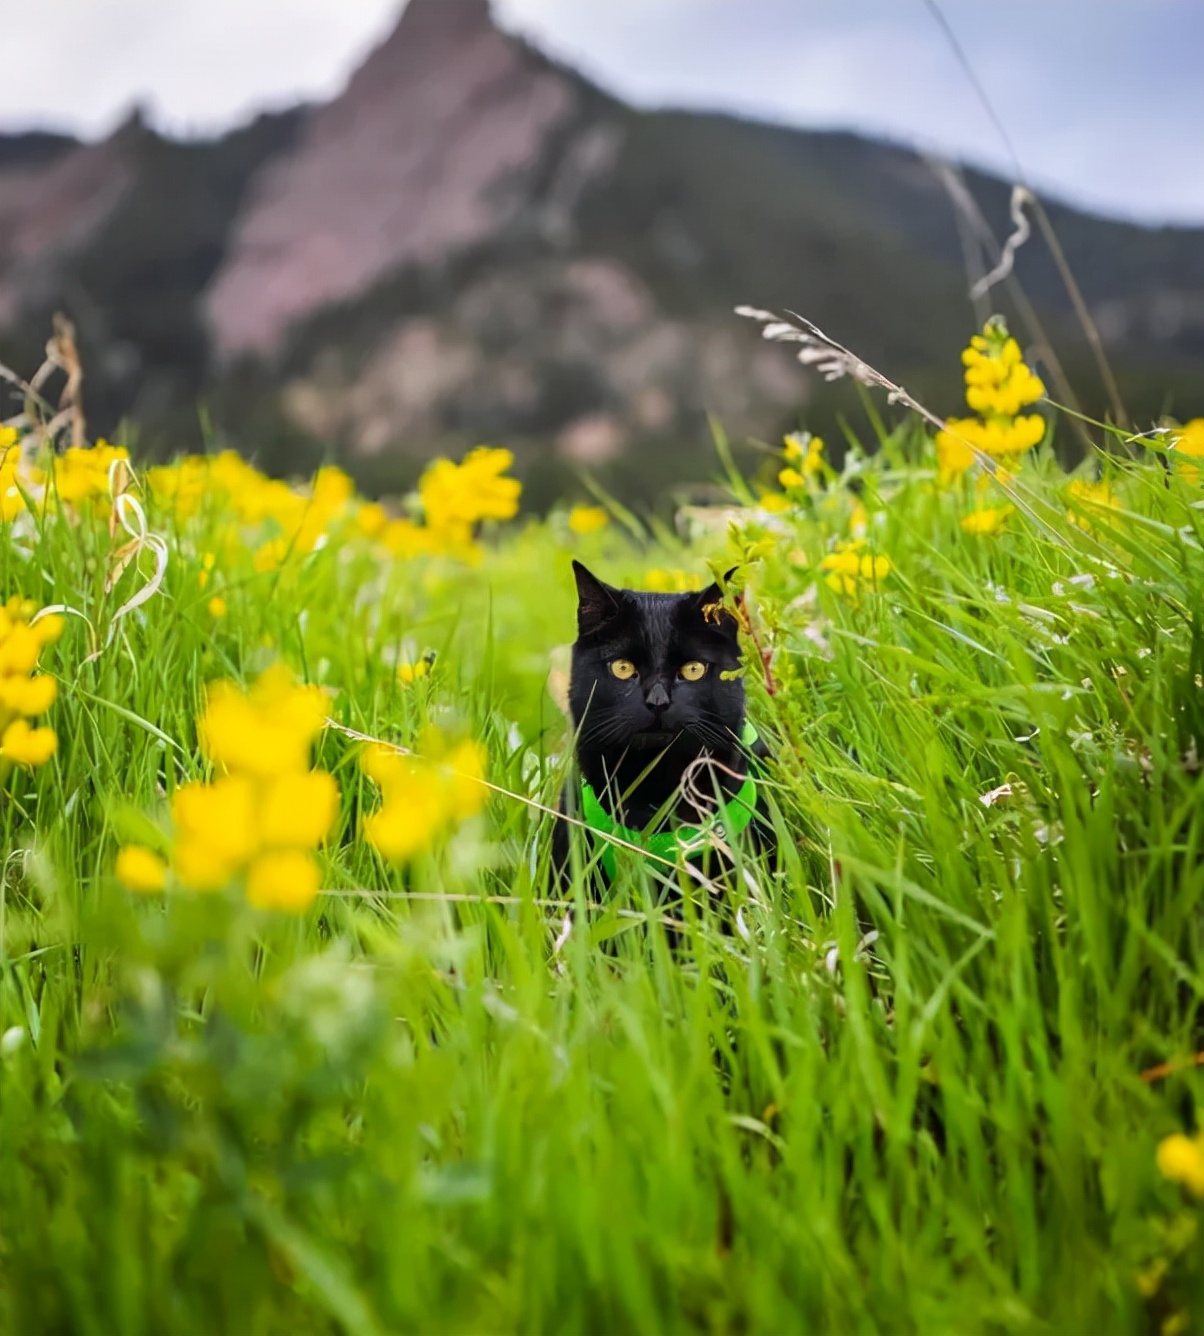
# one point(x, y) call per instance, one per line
point(368, 231)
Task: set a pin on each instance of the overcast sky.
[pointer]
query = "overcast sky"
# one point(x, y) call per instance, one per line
point(1103, 99)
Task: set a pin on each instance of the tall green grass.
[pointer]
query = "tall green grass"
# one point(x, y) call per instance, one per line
point(902, 1093)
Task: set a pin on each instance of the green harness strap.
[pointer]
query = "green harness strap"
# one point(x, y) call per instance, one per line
point(732, 817)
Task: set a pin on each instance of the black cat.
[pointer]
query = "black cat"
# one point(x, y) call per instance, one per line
point(666, 758)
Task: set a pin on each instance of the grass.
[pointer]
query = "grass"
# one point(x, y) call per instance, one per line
point(905, 1095)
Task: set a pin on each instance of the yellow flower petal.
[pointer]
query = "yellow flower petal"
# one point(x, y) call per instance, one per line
point(458, 495)
point(266, 731)
point(386, 766)
point(48, 628)
point(28, 746)
point(19, 650)
point(286, 879)
point(587, 519)
point(988, 520)
point(371, 519)
point(140, 869)
point(297, 811)
point(464, 770)
point(272, 555)
point(1181, 1159)
point(407, 824)
point(220, 816)
point(202, 867)
point(1189, 439)
point(28, 695)
point(658, 581)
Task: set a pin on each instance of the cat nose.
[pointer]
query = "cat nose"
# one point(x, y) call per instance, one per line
point(658, 697)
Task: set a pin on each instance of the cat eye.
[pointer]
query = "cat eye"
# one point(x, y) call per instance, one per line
point(692, 671)
point(623, 669)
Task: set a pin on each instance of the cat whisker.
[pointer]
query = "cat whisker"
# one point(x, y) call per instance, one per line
point(710, 734)
point(602, 733)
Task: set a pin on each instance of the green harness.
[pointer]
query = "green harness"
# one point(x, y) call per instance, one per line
point(732, 817)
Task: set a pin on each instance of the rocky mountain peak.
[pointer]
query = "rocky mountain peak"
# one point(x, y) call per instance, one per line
point(405, 167)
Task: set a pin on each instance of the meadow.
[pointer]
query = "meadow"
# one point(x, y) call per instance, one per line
point(297, 1034)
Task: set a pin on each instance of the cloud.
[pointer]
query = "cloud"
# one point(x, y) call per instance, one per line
point(199, 65)
point(1098, 96)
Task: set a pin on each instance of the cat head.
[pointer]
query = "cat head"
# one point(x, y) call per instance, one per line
point(648, 669)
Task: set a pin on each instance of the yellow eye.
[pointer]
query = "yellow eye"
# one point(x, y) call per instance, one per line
point(623, 669)
point(693, 670)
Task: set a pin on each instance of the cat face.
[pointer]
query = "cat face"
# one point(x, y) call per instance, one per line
point(648, 670)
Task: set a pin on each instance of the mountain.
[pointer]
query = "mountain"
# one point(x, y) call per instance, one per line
point(472, 242)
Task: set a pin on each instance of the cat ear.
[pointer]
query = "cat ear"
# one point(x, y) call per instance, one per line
point(597, 603)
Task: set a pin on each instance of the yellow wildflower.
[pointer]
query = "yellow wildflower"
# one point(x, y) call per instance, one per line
point(675, 581)
point(775, 503)
point(263, 818)
point(1090, 496)
point(804, 451)
point(200, 867)
point(23, 745)
point(455, 497)
point(1000, 438)
point(332, 490)
point(270, 556)
point(1188, 443)
point(407, 823)
point(266, 731)
point(221, 816)
point(984, 482)
point(385, 765)
point(998, 383)
point(297, 811)
point(850, 567)
point(424, 795)
point(859, 520)
point(998, 386)
point(217, 607)
point(141, 869)
point(182, 486)
point(954, 454)
point(804, 456)
point(461, 770)
point(987, 520)
point(277, 521)
point(81, 474)
point(1181, 1159)
point(409, 673)
point(273, 517)
point(24, 692)
point(283, 879)
point(587, 519)
point(27, 695)
point(1015, 437)
point(12, 501)
point(405, 539)
point(19, 649)
point(371, 519)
